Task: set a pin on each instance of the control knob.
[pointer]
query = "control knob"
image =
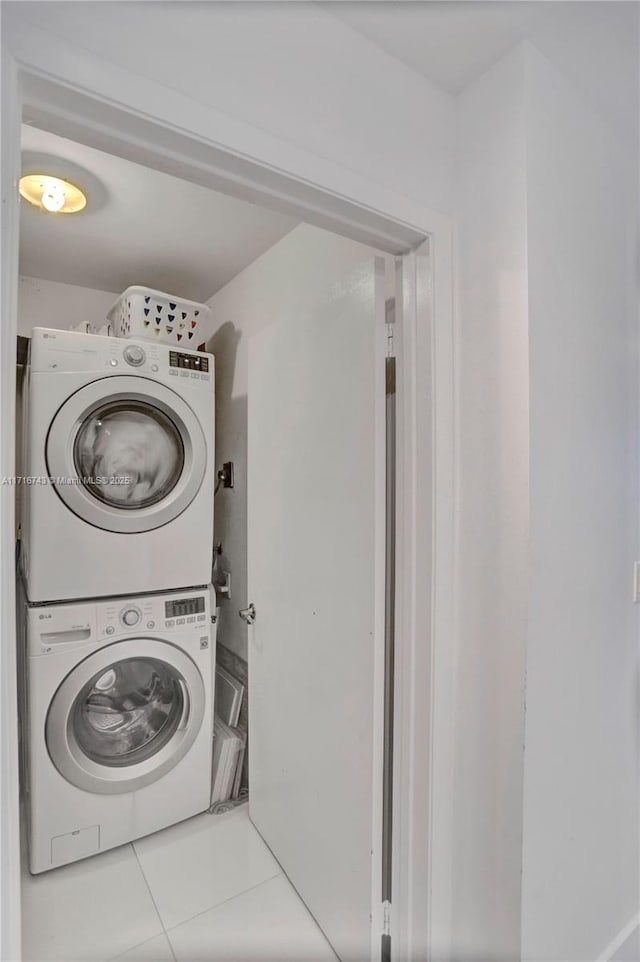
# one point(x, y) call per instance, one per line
point(134, 355)
point(130, 617)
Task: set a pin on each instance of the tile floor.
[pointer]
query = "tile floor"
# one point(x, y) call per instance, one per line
point(207, 890)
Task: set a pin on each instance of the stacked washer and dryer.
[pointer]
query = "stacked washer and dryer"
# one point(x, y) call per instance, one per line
point(120, 617)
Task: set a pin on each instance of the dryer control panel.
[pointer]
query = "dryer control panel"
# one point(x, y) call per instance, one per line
point(59, 352)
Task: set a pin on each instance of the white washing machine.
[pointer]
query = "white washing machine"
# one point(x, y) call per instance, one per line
point(119, 720)
point(120, 467)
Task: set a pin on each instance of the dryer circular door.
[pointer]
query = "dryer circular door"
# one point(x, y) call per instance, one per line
point(127, 454)
point(125, 716)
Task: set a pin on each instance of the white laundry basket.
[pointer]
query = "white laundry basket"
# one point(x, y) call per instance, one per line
point(154, 316)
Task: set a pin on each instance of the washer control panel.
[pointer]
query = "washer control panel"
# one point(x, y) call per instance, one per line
point(61, 627)
point(155, 612)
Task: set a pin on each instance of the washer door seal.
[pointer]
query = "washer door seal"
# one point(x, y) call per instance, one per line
point(149, 716)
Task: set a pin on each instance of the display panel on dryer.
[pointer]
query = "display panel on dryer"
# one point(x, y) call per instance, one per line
point(188, 361)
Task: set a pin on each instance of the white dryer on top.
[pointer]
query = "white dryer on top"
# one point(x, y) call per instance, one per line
point(120, 467)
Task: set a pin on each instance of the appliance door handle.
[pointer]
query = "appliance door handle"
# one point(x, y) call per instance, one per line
point(186, 706)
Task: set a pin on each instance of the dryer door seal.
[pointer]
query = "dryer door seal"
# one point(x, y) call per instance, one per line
point(125, 716)
point(126, 454)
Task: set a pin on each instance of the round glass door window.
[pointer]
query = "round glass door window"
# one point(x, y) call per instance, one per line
point(128, 712)
point(129, 454)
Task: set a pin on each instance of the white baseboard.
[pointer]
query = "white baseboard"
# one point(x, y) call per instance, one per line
point(625, 935)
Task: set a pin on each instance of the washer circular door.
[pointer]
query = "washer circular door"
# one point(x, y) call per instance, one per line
point(127, 454)
point(125, 716)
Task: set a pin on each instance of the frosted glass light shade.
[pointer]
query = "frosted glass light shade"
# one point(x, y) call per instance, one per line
point(52, 194)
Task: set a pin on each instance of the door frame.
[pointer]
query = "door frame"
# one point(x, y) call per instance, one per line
point(60, 86)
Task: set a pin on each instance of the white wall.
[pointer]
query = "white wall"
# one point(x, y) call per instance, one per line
point(288, 69)
point(580, 857)
point(545, 841)
point(492, 509)
point(307, 259)
point(51, 304)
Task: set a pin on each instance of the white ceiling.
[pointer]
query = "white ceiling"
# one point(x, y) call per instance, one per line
point(451, 43)
point(140, 226)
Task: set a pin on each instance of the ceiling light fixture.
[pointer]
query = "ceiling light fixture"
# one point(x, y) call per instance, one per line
point(52, 194)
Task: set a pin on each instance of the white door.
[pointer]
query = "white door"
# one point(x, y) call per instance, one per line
point(316, 529)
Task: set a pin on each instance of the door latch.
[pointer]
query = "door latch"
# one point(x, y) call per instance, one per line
point(248, 614)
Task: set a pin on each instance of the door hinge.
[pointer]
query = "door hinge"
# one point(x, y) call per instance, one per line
point(390, 320)
point(386, 918)
point(390, 343)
